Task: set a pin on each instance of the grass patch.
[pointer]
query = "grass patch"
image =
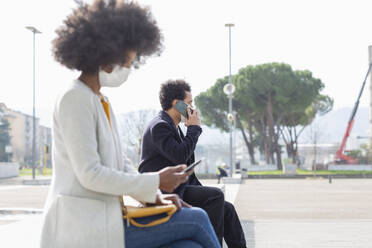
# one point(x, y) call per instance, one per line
point(275, 172)
point(28, 172)
point(306, 172)
point(326, 172)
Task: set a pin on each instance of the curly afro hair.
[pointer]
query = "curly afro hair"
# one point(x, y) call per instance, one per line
point(171, 90)
point(103, 33)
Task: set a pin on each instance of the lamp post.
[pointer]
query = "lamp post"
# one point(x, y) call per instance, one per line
point(370, 96)
point(34, 31)
point(230, 116)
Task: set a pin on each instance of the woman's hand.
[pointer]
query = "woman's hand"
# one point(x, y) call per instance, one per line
point(167, 199)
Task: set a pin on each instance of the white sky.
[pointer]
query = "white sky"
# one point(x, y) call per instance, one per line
point(329, 38)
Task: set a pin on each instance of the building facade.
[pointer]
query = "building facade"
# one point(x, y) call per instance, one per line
point(21, 132)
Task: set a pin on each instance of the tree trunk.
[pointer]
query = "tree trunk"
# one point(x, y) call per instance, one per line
point(265, 139)
point(291, 142)
point(250, 133)
point(294, 154)
point(294, 144)
point(278, 157)
point(278, 148)
point(270, 124)
point(249, 144)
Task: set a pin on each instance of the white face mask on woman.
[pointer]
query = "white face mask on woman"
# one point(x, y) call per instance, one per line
point(116, 78)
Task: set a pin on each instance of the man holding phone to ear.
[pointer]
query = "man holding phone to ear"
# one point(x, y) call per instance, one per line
point(165, 144)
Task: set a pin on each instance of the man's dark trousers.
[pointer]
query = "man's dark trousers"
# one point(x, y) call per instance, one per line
point(212, 200)
point(165, 145)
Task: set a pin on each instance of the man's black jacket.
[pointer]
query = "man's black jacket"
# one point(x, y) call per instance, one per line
point(163, 146)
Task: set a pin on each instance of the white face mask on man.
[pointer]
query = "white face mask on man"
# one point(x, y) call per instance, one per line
point(116, 78)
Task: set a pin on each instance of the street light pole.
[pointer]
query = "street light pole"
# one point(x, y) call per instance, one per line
point(34, 31)
point(229, 25)
point(370, 97)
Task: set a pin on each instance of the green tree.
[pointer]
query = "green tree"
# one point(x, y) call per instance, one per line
point(296, 120)
point(270, 99)
point(274, 91)
point(4, 137)
point(213, 105)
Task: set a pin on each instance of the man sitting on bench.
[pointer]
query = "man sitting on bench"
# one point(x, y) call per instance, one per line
point(165, 144)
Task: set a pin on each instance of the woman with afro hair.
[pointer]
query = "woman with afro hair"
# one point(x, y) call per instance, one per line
point(103, 40)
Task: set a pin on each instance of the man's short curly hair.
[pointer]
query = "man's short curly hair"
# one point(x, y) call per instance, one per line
point(103, 33)
point(171, 90)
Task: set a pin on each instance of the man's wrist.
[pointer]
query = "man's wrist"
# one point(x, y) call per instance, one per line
point(195, 126)
point(194, 129)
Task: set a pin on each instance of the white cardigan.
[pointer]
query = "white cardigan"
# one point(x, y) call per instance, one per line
point(89, 174)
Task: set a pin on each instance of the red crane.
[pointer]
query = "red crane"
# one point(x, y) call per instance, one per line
point(341, 158)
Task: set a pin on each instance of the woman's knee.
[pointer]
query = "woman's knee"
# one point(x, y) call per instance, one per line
point(184, 244)
point(194, 215)
point(198, 213)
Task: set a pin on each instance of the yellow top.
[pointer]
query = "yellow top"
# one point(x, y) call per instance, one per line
point(106, 108)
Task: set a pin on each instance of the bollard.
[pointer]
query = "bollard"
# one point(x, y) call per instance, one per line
point(329, 178)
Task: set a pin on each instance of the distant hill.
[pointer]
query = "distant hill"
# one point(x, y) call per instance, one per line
point(211, 136)
point(333, 125)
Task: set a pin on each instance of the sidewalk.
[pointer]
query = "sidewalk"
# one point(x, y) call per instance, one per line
point(274, 213)
point(308, 233)
point(27, 226)
point(306, 213)
point(25, 233)
point(26, 180)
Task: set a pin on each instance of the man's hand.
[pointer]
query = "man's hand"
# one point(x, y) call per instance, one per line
point(172, 176)
point(166, 199)
point(193, 119)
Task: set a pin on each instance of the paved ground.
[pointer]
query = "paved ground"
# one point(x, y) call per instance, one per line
point(308, 233)
point(305, 199)
point(306, 213)
point(274, 213)
point(19, 196)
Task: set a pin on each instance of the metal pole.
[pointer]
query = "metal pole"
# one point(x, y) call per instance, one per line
point(34, 32)
point(230, 92)
point(234, 142)
point(33, 111)
point(229, 25)
point(370, 97)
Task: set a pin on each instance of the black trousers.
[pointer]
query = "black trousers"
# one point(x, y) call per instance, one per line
point(222, 214)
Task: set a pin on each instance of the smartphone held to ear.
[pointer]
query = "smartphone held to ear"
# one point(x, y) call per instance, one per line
point(192, 166)
point(181, 107)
